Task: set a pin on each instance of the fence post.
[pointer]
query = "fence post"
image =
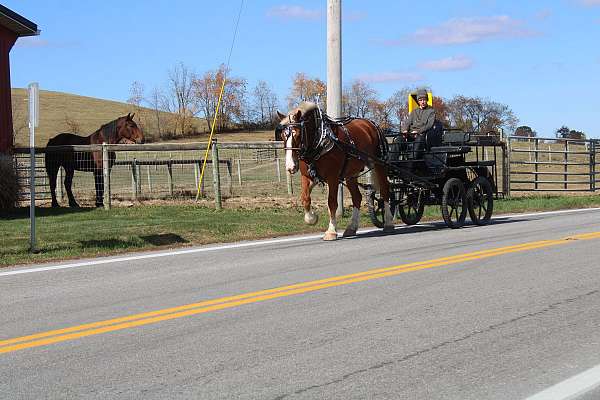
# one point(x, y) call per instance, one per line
point(535, 177)
point(216, 176)
point(134, 179)
point(592, 150)
point(290, 187)
point(507, 167)
point(239, 171)
point(106, 176)
point(278, 169)
point(197, 175)
point(149, 179)
point(170, 175)
point(566, 160)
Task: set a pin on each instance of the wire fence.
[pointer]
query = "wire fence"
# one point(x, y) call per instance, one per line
point(250, 171)
point(159, 171)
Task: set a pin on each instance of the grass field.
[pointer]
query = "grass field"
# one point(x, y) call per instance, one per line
point(67, 234)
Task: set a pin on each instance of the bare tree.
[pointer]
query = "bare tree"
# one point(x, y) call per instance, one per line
point(358, 97)
point(136, 94)
point(180, 87)
point(72, 125)
point(381, 112)
point(476, 114)
point(265, 104)
point(158, 102)
point(398, 103)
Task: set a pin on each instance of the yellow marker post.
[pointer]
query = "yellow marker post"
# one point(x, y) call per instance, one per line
point(212, 131)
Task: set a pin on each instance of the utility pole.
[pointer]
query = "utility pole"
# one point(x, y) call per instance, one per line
point(334, 73)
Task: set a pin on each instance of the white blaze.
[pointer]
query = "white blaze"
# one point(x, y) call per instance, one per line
point(290, 163)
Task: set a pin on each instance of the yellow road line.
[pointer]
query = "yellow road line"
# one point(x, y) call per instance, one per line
point(95, 328)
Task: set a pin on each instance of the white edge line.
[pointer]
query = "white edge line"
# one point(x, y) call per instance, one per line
point(109, 260)
point(571, 388)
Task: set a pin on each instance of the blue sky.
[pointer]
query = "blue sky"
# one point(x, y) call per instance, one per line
point(542, 58)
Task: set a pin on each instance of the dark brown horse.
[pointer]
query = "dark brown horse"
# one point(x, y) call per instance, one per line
point(122, 130)
point(326, 151)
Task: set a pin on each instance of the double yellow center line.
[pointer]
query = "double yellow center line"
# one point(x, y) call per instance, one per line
point(131, 321)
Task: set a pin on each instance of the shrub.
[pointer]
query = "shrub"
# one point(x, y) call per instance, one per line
point(9, 185)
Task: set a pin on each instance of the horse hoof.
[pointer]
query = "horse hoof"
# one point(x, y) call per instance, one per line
point(388, 229)
point(349, 232)
point(330, 236)
point(311, 218)
point(99, 205)
point(55, 205)
point(73, 205)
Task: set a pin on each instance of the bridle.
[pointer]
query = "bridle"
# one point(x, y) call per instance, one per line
point(309, 150)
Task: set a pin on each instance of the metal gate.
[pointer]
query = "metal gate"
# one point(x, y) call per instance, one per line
point(552, 165)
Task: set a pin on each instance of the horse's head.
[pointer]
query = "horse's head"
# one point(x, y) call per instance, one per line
point(297, 131)
point(126, 131)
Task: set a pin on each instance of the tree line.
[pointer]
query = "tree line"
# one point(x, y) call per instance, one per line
point(188, 97)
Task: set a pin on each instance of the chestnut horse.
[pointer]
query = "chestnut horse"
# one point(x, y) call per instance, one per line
point(122, 130)
point(332, 151)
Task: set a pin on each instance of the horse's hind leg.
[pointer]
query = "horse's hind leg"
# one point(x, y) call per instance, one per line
point(384, 189)
point(69, 171)
point(52, 171)
point(352, 184)
point(331, 233)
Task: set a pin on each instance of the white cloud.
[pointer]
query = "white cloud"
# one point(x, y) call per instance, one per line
point(31, 42)
point(448, 64)
point(590, 3)
point(297, 12)
point(390, 77)
point(468, 30)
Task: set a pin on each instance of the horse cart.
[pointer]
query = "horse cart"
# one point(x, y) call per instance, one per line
point(452, 170)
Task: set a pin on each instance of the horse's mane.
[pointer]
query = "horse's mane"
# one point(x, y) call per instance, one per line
point(306, 107)
point(109, 131)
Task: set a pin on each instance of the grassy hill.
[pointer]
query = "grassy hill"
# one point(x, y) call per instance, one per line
point(64, 112)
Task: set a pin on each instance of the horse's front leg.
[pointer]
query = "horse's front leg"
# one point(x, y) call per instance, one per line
point(352, 227)
point(307, 185)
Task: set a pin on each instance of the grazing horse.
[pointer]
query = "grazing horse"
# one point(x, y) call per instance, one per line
point(122, 130)
point(329, 151)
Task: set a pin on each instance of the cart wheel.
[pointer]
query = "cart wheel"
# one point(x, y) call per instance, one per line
point(412, 211)
point(480, 200)
point(375, 208)
point(454, 203)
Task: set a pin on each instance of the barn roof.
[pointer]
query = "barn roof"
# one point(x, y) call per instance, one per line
point(16, 23)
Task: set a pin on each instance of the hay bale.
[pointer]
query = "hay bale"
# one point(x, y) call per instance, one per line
point(9, 185)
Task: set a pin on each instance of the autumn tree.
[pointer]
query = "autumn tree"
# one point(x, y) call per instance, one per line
point(307, 89)
point(565, 133)
point(206, 93)
point(398, 103)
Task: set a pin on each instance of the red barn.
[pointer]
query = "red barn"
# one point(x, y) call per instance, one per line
point(12, 26)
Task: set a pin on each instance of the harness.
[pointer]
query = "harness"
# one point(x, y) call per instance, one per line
point(325, 139)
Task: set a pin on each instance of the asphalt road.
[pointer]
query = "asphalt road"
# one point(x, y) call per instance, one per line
point(424, 313)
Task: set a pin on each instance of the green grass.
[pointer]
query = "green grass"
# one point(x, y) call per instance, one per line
point(87, 232)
